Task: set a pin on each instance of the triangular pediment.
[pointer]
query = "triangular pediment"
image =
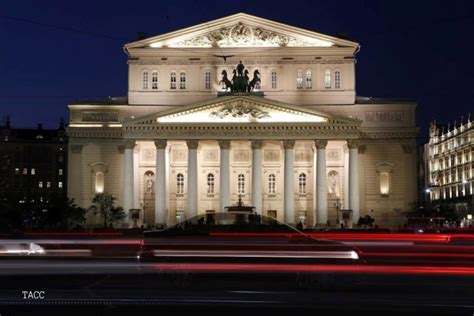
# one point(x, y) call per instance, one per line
point(240, 109)
point(241, 30)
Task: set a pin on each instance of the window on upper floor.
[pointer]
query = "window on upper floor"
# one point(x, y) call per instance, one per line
point(173, 80)
point(327, 79)
point(309, 79)
point(60, 172)
point(207, 80)
point(33, 171)
point(241, 184)
point(384, 179)
point(274, 80)
point(154, 80)
point(182, 80)
point(271, 184)
point(302, 183)
point(299, 79)
point(210, 183)
point(337, 79)
point(145, 80)
point(180, 183)
point(25, 171)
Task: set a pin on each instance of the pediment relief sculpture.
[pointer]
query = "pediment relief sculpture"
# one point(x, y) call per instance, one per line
point(243, 35)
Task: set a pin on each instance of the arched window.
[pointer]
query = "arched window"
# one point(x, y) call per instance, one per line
point(154, 80)
point(337, 79)
point(274, 80)
point(207, 80)
point(309, 79)
point(210, 183)
point(145, 80)
point(99, 182)
point(302, 183)
point(271, 184)
point(180, 183)
point(173, 80)
point(241, 184)
point(327, 78)
point(299, 79)
point(182, 80)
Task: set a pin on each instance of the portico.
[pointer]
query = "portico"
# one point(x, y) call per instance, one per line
point(245, 140)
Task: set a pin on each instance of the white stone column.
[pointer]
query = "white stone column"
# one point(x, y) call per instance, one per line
point(75, 173)
point(289, 194)
point(321, 187)
point(257, 197)
point(160, 188)
point(128, 187)
point(224, 175)
point(346, 178)
point(354, 179)
point(136, 178)
point(192, 177)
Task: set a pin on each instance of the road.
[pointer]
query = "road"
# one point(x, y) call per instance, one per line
point(416, 278)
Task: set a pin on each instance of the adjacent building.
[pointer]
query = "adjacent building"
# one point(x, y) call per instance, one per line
point(449, 165)
point(33, 164)
point(244, 107)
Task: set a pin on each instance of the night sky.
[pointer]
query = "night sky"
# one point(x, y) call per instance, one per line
point(56, 52)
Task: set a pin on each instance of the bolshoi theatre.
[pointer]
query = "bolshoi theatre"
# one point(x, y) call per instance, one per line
point(244, 107)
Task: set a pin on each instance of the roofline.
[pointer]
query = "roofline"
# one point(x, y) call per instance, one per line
point(146, 41)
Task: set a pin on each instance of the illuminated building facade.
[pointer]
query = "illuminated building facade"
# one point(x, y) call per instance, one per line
point(450, 164)
point(299, 146)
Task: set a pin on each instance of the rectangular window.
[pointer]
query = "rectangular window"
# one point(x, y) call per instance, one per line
point(274, 80)
point(33, 171)
point(182, 80)
point(173, 81)
point(60, 184)
point(48, 184)
point(40, 184)
point(154, 80)
point(207, 80)
point(145, 80)
point(337, 79)
point(17, 170)
point(25, 171)
point(60, 172)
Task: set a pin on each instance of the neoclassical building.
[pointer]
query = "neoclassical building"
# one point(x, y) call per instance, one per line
point(245, 107)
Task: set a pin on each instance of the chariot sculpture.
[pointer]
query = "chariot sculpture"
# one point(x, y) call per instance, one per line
point(240, 80)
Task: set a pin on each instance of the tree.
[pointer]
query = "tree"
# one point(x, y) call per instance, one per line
point(65, 214)
point(104, 204)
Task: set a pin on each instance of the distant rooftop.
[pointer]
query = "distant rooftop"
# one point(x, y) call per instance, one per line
point(372, 100)
point(104, 101)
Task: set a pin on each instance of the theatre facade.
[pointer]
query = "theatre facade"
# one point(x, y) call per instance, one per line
point(244, 107)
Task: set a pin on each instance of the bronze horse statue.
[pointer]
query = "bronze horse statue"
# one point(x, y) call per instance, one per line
point(254, 81)
point(226, 81)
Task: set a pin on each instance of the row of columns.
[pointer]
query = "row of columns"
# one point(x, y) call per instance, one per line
point(320, 210)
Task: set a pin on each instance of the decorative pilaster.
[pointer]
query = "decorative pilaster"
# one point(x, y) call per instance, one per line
point(75, 173)
point(160, 192)
point(353, 146)
point(224, 174)
point(128, 187)
point(321, 188)
point(257, 200)
point(192, 177)
point(289, 194)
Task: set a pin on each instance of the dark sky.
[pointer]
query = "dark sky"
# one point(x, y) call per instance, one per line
point(55, 52)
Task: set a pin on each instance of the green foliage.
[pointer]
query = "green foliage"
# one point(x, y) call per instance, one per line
point(104, 203)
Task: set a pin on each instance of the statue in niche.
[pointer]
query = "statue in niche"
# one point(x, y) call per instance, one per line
point(149, 184)
point(333, 183)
